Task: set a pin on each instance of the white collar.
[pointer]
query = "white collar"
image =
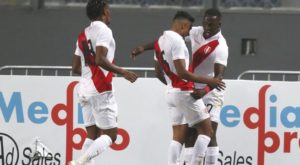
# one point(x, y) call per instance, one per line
point(214, 37)
point(97, 22)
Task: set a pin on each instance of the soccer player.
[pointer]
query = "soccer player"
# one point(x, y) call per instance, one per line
point(94, 60)
point(210, 53)
point(172, 56)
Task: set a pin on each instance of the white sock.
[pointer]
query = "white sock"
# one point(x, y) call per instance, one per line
point(87, 143)
point(174, 152)
point(98, 146)
point(212, 154)
point(188, 155)
point(200, 149)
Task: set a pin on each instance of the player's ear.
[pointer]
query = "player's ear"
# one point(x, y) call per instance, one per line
point(184, 25)
point(106, 11)
point(181, 27)
point(218, 26)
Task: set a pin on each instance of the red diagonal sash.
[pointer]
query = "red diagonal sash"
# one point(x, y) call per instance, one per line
point(101, 82)
point(202, 53)
point(176, 81)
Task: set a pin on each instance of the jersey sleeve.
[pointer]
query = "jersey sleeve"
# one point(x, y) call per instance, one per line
point(194, 30)
point(222, 55)
point(192, 33)
point(104, 37)
point(187, 39)
point(178, 47)
point(77, 50)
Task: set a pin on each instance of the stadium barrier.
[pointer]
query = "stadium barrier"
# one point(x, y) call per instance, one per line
point(270, 75)
point(60, 70)
point(41, 122)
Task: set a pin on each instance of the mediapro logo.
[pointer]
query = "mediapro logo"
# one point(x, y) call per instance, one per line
point(9, 151)
point(276, 125)
point(39, 112)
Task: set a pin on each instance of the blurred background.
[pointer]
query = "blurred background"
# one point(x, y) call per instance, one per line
point(261, 34)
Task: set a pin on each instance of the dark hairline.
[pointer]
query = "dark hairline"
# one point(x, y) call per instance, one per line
point(93, 17)
point(184, 16)
point(213, 12)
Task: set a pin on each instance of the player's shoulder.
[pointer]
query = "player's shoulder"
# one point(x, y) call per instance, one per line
point(221, 39)
point(173, 35)
point(102, 27)
point(222, 46)
point(196, 30)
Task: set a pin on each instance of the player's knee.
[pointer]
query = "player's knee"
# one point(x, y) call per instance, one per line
point(112, 133)
point(179, 137)
point(213, 142)
point(205, 128)
point(191, 137)
point(210, 132)
point(113, 137)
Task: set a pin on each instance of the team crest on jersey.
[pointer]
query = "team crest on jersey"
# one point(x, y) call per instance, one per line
point(207, 49)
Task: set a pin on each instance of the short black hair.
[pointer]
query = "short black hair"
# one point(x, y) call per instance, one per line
point(213, 12)
point(184, 15)
point(95, 8)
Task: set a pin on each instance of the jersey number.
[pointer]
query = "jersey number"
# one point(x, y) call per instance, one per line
point(164, 63)
point(209, 107)
point(88, 52)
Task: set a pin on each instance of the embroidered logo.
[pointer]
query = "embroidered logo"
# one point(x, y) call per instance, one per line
point(207, 50)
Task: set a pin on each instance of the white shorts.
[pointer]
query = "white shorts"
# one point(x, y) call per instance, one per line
point(214, 101)
point(185, 109)
point(100, 110)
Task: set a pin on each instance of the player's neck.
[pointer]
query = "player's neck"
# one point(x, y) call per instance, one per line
point(175, 28)
point(212, 35)
point(103, 19)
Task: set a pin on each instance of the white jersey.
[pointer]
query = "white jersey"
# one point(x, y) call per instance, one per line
point(94, 79)
point(207, 52)
point(169, 47)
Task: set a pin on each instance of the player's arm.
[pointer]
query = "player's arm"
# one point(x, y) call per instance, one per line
point(76, 64)
point(219, 70)
point(102, 61)
point(220, 61)
point(159, 73)
point(76, 60)
point(184, 74)
point(140, 49)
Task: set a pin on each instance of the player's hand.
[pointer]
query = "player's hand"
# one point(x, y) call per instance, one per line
point(217, 83)
point(136, 51)
point(198, 93)
point(130, 76)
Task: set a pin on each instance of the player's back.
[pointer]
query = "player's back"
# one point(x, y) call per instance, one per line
point(95, 79)
point(169, 43)
point(169, 47)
